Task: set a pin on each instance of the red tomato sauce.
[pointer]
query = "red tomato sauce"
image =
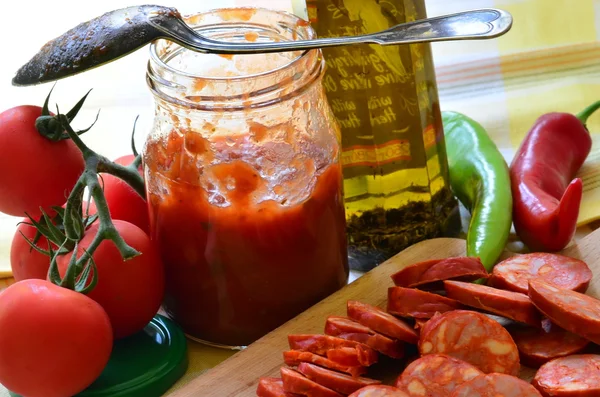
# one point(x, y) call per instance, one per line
point(236, 272)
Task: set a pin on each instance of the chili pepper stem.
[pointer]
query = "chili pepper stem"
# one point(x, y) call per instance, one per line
point(587, 112)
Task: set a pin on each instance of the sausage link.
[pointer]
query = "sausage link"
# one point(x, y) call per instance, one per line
point(472, 337)
point(513, 305)
point(430, 273)
point(572, 376)
point(561, 271)
point(496, 385)
point(573, 311)
point(435, 375)
point(410, 302)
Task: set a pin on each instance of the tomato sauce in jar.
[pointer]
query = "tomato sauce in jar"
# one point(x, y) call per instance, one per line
point(244, 183)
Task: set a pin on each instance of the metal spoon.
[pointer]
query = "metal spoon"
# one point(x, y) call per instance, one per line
point(118, 33)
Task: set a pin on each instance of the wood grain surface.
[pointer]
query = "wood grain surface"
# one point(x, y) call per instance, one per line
point(238, 376)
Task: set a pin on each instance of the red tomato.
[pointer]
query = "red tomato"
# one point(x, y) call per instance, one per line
point(25, 261)
point(36, 172)
point(130, 291)
point(54, 342)
point(123, 202)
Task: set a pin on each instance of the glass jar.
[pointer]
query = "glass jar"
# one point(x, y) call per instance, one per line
point(243, 179)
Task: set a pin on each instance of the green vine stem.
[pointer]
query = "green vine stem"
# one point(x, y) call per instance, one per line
point(74, 223)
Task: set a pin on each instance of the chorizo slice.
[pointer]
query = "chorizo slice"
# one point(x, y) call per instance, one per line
point(513, 305)
point(572, 376)
point(336, 325)
point(430, 273)
point(496, 385)
point(322, 344)
point(346, 356)
point(435, 375)
point(410, 302)
point(420, 323)
point(341, 383)
point(346, 328)
point(537, 346)
point(295, 382)
point(294, 358)
point(380, 321)
point(472, 337)
point(389, 347)
point(379, 391)
point(573, 311)
point(272, 387)
point(561, 271)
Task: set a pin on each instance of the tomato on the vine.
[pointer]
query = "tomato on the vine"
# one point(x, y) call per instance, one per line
point(131, 291)
point(124, 203)
point(54, 342)
point(25, 261)
point(36, 171)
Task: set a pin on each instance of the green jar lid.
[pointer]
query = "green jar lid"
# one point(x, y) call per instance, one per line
point(146, 364)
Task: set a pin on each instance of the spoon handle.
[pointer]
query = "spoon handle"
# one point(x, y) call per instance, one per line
point(475, 24)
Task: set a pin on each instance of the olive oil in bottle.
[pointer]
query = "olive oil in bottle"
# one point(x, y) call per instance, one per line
point(394, 159)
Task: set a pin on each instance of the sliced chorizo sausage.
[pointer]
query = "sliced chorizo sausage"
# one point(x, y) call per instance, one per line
point(334, 380)
point(573, 311)
point(572, 376)
point(540, 345)
point(561, 271)
point(379, 391)
point(347, 356)
point(472, 337)
point(336, 325)
point(430, 273)
point(321, 344)
point(272, 387)
point(346, 328)
point(381, 321)
point(390, 347)
point(410, 302)
point(513, 305)
point(295, 382)
point(435, 375)
point(420, 322)
point(293, 358)
point(496, 385)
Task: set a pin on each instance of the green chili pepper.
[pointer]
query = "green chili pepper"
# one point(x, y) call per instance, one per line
point(480, 179)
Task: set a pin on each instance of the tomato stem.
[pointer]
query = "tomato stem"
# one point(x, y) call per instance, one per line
point(129, 174)
point(81, 268)
point(74, 198)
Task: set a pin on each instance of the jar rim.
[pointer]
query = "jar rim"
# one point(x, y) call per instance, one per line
point(158, 59)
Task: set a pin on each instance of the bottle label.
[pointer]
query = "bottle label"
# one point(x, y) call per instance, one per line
point(380, 95)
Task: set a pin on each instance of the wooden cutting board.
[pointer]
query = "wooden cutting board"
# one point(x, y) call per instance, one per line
point(238, 376)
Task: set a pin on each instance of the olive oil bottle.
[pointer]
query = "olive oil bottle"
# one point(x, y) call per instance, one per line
point(394, 159)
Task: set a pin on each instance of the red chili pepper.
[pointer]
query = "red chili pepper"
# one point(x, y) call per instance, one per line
point(546, 194)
